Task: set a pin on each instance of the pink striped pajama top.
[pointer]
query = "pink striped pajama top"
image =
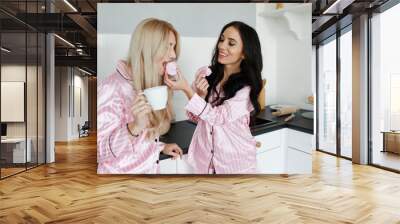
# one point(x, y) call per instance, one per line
point(118, 151)
point(222, 141)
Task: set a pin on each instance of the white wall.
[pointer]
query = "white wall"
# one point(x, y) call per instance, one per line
point(113, 40)
point(12, 73)
point(33, 126)
point(61, 103)
point(13, 93)
point(286, 45)
point(66, 121)
point(80, 82)
point(314, 87)
point(314, 71)
point(286, 38)
point(293, 71)
point(266, 32)
point(192, 20)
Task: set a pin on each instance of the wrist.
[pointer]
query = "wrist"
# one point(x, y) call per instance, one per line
point(164, 149)
point(133, 130)
point(189, 92)
point(202, 95)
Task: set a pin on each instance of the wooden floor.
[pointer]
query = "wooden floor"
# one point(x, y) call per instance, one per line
point(70, 191)
point(5, 172)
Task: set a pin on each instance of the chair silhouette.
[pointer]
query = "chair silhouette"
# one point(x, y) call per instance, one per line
point(84, 130)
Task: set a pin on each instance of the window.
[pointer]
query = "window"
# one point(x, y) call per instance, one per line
point(22, 65)
point(346, 75)
point(385, 88)
point(395, 101)
point(327, 97)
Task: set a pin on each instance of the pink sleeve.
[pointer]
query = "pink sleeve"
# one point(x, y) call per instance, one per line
point(111, 123)
point(192, 116)
point(230, 110)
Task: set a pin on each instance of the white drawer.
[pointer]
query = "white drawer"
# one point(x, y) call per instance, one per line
point(271, 161)
point(299, 140)
point(167, 166)
point(183, 166)
point(268, 141)
point(298, 162)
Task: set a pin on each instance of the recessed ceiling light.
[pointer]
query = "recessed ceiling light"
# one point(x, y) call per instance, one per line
point(5, 50)
point(70, 5)
point(338, 6)
point(64, 40)
point(84, 71)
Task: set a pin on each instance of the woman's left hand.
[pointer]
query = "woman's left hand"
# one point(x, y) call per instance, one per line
point(173, 150)
point(201, 85)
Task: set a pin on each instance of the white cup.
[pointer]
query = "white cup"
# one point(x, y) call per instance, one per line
point(157, 97)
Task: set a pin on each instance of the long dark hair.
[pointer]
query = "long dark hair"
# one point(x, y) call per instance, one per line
point(250, 68)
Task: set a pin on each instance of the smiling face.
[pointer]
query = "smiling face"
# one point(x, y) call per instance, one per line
point(170, 54)
point(230, 47)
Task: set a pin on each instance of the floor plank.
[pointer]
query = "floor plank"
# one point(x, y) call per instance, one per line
point(70, 191)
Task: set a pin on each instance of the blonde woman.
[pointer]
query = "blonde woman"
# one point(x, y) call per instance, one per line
point(128, 128)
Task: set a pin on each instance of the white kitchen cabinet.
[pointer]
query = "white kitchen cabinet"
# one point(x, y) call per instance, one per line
point(270, 154)
point(299, 152)
point(284, 151)
point(271, 161)
point(17, 147)
point(298, 162)
point(167, 166)
point(270, 140)
point(299, 140)
point(183, 166)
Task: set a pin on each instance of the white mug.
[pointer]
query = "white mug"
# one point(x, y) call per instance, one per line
point(157, 97)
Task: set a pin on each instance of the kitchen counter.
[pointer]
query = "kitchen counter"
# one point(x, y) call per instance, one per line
point(181, 132)
point(298, 123)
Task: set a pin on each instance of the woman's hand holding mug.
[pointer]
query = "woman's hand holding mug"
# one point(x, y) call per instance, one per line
point(140, 109)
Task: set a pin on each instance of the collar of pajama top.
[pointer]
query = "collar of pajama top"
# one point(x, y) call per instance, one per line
point(222, 139)
point(118, 151)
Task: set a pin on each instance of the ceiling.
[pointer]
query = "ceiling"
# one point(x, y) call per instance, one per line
point(77, 23)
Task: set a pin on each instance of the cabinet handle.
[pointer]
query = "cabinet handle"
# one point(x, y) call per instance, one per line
point(258, 144)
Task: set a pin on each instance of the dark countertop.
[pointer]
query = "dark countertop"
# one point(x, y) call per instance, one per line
point(298, 123)
point(181, 132)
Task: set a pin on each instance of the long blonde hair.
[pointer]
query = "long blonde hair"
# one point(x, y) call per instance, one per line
point(149, 41)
